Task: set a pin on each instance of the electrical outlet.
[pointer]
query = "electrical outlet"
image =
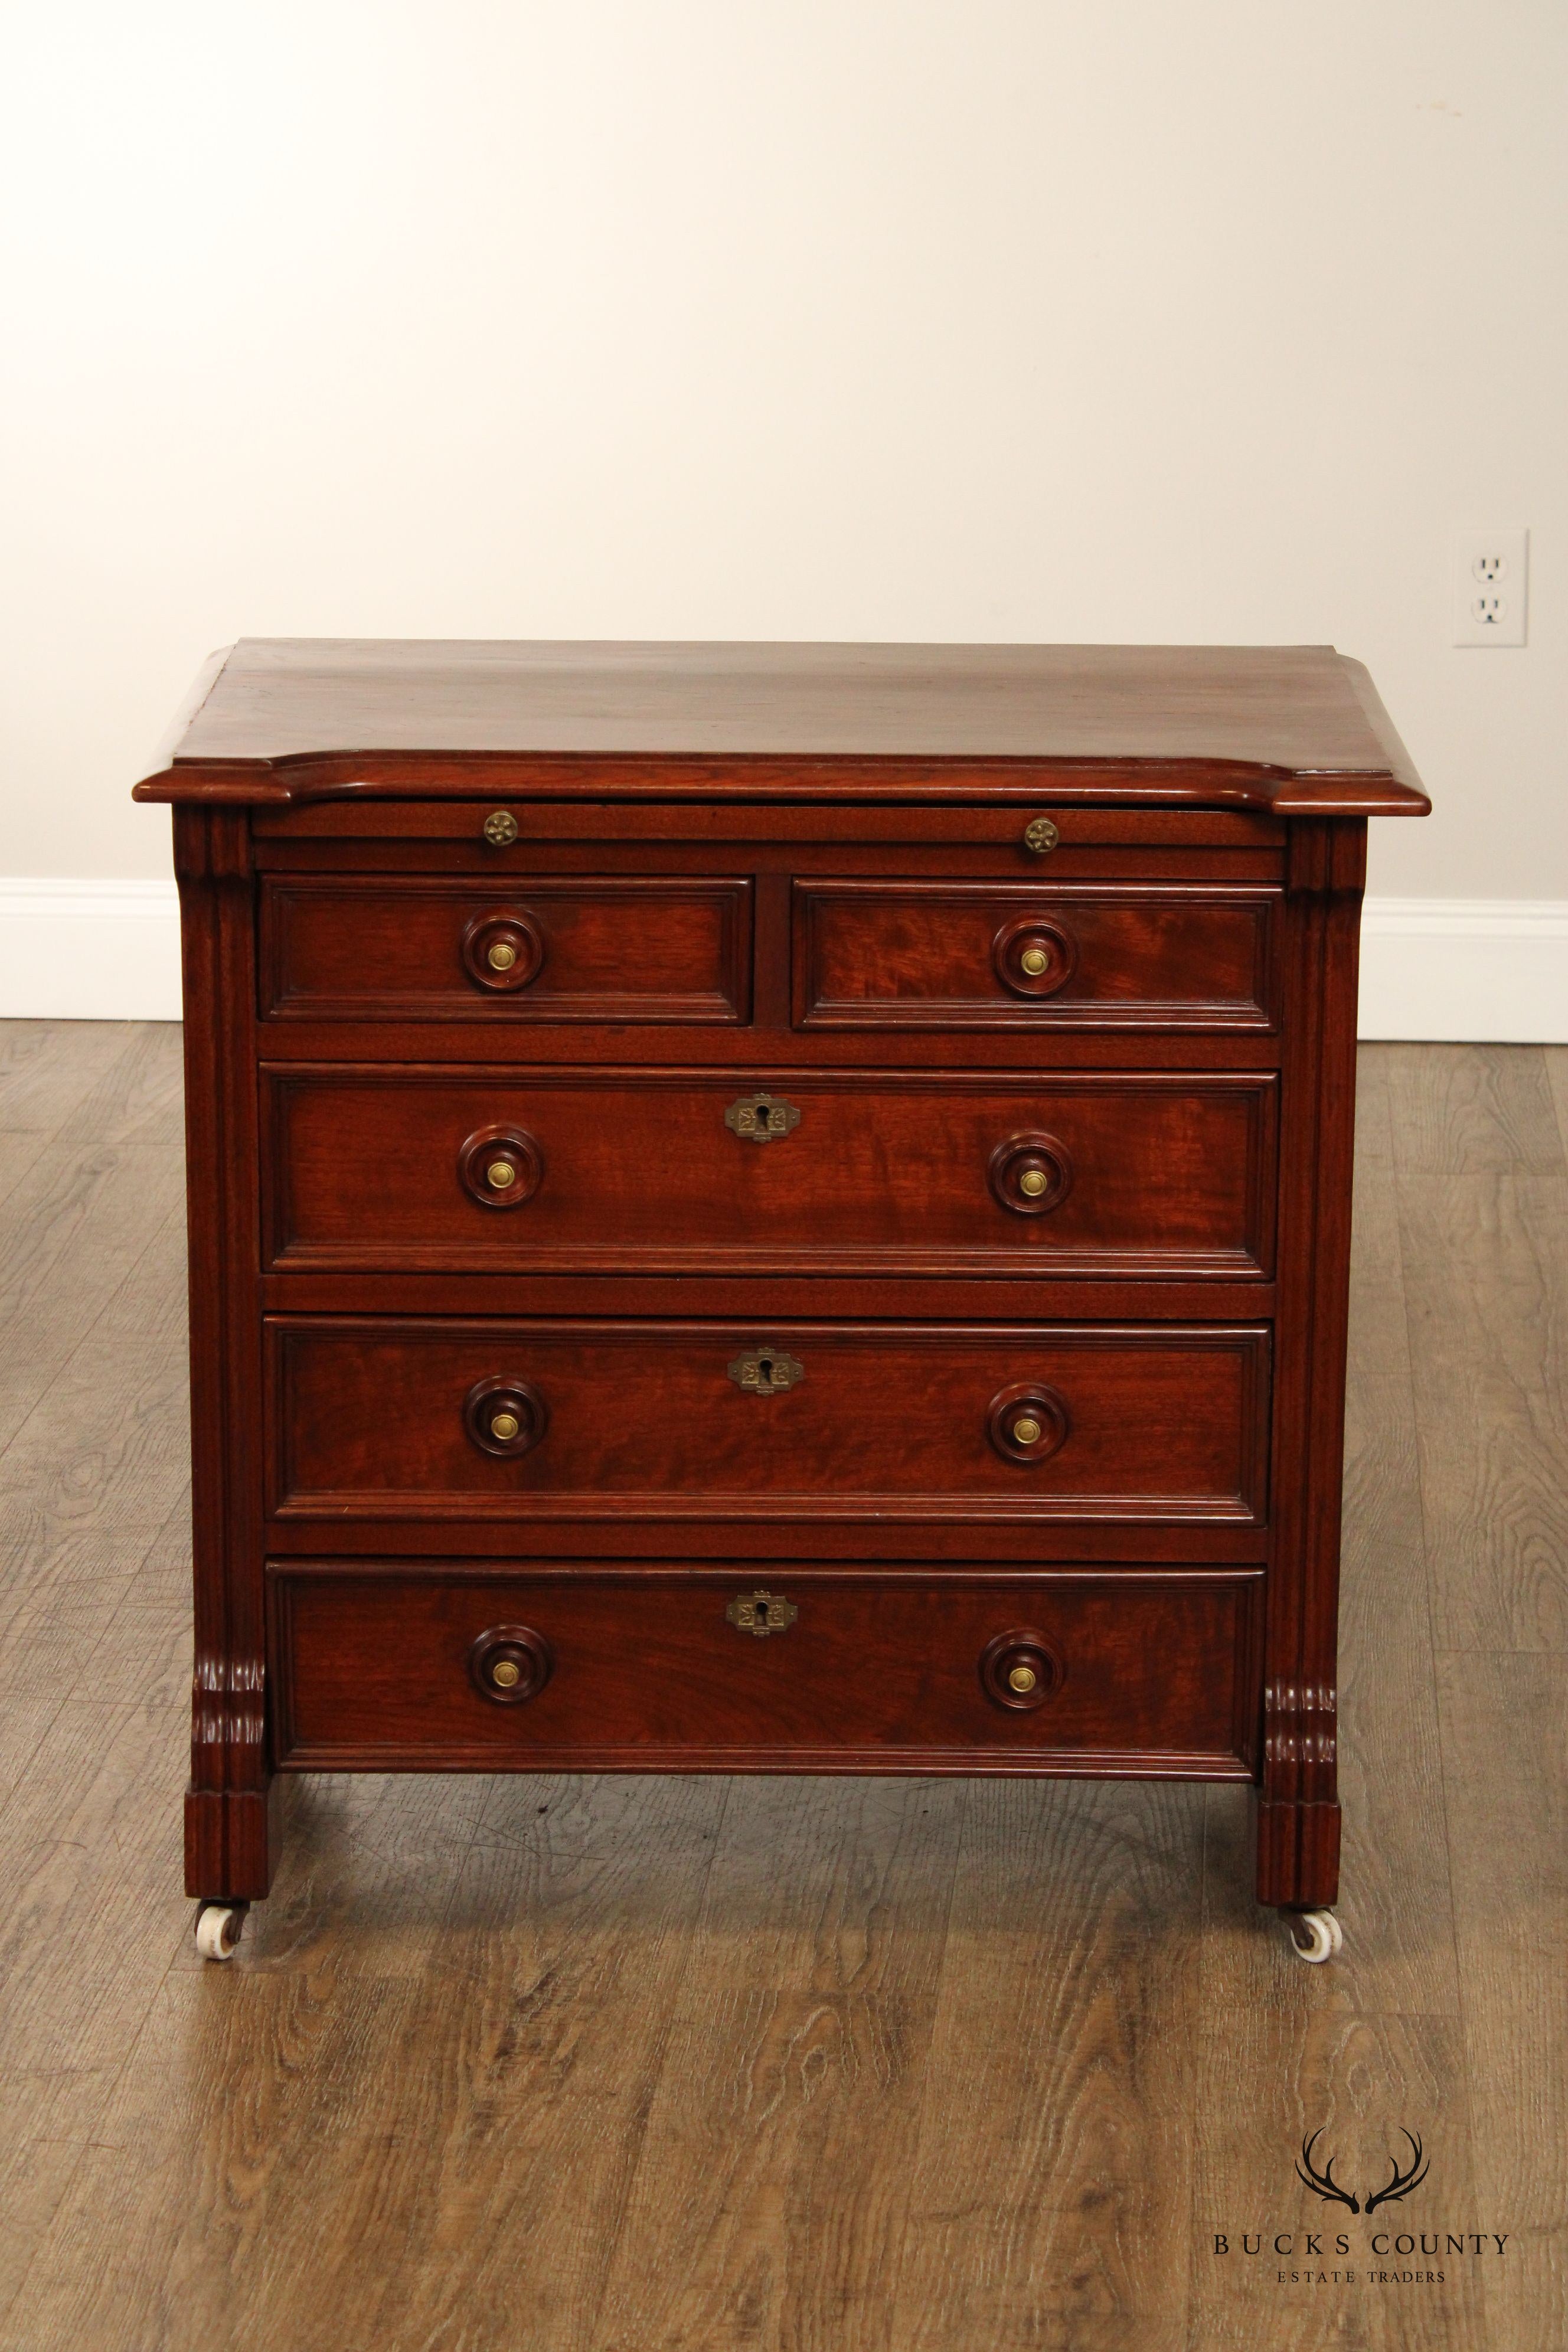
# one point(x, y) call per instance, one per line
point(1492, 587)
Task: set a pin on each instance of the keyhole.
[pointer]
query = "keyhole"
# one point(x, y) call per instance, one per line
point(765, 1371)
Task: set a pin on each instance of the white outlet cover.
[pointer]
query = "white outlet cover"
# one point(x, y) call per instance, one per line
point(1492, 587)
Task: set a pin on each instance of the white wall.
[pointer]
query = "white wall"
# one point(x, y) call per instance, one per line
point(830, 318)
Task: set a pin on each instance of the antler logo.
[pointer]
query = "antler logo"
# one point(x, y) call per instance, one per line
point(1324, 2185)
point(1324, 2182)
point(1402, 2182)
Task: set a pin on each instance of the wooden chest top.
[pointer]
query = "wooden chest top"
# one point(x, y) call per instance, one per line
point(1293, 730)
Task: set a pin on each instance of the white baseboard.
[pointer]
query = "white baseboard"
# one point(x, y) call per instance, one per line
point(1467, 969)
point(89, 951)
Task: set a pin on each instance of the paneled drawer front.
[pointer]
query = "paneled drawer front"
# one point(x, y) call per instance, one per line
point(528, 950)
point(692, 1172)
point(528, 1421)
point(720, 1670)
point(966, 956)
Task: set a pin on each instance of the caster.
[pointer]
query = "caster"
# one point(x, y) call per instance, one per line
point(1315, 1936)
point(217, 1930)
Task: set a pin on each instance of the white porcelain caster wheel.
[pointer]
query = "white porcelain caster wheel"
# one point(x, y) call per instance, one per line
point(217, 1930)
point(1315, 1936)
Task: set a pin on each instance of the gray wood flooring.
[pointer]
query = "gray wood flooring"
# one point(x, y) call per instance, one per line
point(820, 2065)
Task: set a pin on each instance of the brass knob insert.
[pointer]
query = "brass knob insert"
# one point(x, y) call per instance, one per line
point(499, 1167)
point(510, 1665)
point(500, 828)
point(1040, 836)
point(1020, 1671)
point(502, 949)
point(1027, 1423)
point(1034, 956)
point(504, 1417)
point(1030, 1174)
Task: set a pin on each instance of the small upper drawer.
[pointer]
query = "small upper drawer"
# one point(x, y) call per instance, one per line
point(916, 954)
point(562, 949)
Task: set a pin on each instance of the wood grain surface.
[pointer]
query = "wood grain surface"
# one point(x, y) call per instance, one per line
point(1279, 716)
point(624, 2065)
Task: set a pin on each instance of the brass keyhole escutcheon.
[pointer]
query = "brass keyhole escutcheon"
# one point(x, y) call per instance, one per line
point(1019, 1670)
point(1040, 837)
point(762, 1612)
point(499, 1167)
point(761, 1118)
point(766, 1371)
point(500, 828)
point(501, 955)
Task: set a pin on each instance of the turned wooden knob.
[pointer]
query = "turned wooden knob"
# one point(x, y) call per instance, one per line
point(1030, 1174)
point(1033, 955)
point(504, 1417)
point(1027, 1423)
point(499, 1167)
point(1018, 1670)
point(510, 1664)
point(503, 951)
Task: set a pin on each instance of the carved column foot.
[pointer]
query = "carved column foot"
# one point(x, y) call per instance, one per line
point(231, 1843)
point(1298, 1854)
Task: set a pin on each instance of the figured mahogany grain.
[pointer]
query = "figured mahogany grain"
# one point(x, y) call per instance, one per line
point(606, 950)
point(1086, 916)
point(895, 954)
point(372, 1669)
point(1297, 727)
point(884, 1173)
point(366, 1418)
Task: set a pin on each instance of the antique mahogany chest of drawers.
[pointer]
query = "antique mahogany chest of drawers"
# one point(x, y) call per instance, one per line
point(770, 1208)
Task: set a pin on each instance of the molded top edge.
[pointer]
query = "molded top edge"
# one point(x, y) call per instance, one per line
point(1289, 729)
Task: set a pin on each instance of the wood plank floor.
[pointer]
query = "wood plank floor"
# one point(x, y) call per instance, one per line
point(819, 2065)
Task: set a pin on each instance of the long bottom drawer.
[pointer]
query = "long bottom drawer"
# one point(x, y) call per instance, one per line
point(426, 1668)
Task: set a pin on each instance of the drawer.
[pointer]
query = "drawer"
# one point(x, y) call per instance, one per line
point(681, 1670)
point(533, 949)
point(698, 1171)
point(871, 954)
point(541, 1419)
